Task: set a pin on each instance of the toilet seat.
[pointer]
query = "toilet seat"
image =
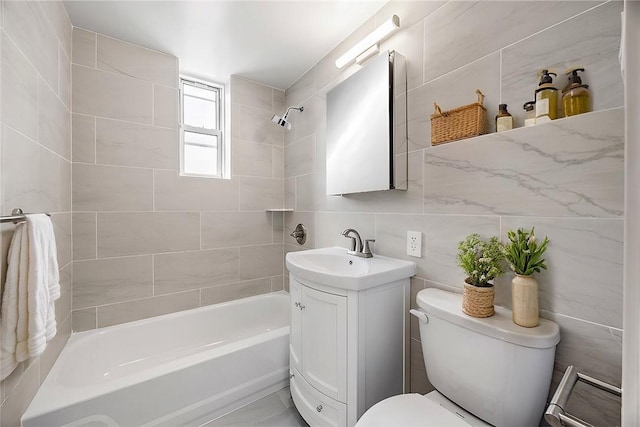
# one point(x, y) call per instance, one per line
point(416, 410)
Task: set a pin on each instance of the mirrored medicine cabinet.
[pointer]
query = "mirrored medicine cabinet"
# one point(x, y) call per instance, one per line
point(367, 129)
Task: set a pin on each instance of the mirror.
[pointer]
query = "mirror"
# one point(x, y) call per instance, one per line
point(367, 129)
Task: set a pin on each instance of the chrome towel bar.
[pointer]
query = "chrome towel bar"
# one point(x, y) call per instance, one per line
point(17, 216)
point(556, 414)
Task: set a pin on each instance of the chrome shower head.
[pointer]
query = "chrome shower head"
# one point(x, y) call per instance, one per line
point(282, 121)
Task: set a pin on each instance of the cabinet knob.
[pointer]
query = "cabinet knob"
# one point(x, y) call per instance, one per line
point(319, 408)
point(297, 304)
point(302, 307)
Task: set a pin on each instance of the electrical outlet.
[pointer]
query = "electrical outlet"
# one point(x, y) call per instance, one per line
point(414, 243)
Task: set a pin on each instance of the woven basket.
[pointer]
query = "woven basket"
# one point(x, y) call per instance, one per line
point(459, 123)
point(478, 301)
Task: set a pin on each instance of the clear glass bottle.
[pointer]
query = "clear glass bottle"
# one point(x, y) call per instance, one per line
point(504, 120)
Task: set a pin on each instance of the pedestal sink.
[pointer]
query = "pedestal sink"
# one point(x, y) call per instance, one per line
point(334, 267)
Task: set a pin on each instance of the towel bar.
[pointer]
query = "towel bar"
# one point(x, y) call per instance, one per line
point(556, 415)
point(17, 216)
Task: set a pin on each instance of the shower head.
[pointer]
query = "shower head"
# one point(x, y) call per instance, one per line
point(282, 121)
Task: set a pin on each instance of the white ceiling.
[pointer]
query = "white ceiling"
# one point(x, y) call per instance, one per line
point(272, 42)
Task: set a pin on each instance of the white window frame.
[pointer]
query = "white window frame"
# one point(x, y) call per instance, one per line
point(220, 102)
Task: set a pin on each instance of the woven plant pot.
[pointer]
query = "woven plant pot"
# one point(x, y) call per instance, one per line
point(478, 301)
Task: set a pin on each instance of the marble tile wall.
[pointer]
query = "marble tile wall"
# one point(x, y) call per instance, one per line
point(147, 240)
point(565, 178)
point(35, 160)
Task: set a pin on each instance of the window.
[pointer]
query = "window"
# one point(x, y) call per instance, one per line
point(201, 141)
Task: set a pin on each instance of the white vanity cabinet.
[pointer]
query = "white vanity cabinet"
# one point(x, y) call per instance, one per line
point(347, 349)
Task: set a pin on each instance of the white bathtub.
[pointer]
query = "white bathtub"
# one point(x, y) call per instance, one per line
point(179, 369)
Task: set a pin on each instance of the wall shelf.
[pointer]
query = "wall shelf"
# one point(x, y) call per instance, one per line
point(279, 210)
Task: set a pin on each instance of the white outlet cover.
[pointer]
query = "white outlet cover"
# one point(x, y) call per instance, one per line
point(414, 243)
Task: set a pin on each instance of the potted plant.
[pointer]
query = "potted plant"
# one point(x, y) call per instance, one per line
point(524, 255)
point(481, 260)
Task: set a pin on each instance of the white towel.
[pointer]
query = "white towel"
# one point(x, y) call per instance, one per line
point(32, 286)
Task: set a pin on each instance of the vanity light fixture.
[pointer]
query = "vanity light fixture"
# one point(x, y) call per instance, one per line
point(377, 35)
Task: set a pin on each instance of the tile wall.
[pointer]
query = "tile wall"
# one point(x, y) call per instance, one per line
point(35, 167)
point(146, 240)
point(565, 178)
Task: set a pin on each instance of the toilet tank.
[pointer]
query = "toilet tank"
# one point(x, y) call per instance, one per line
point(493, 368)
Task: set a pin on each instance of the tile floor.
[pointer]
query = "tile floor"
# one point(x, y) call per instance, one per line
point(274, 410)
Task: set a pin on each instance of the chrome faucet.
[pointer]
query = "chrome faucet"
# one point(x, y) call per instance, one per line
point(356, 248)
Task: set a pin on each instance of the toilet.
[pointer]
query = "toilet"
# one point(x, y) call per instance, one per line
point(486, 371)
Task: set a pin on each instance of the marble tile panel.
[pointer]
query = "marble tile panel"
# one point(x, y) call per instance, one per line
point(419, 380)
point(594, 349)
point(279, 105)
point(107, 281)
point(166, 107)
point(54, 122)
point(54, 347)
point(249, 414)
point(37, 191)
point(461, 32)
point(591, 40)
point(135, 233)
point(62, 231)
point(84, 235)
point(277, 227)
point(300, 157)
point(329, 228)
point(232, 229)
point(410, 44)
point(261, 261)
point(135, 61)
point(63, 304)
point(277, 162)
point(9, 383)
point(59, 19)
point(313, 118)
point(27, 25)
point(584, 260)
point(277, 283)
point(115, 314)
point(252, 94)
point(302, 89)
point(84, 47)
point(83, 129)
point(400, 201)
point(409, 12)
point(178, 193)
point(260, 193)
point(114, 96)
point(130, 144)
point(441, 234)
point(65, 185)
point(229, 292)
point(84, 320)
point(19, 90)
point(253, 124)
point(311, 194)
point(111, 188)
point(569, 167)
point(252, 159)
point(292, 219)
point(17, 402)
point(452, 91)
point(64, 78)
point(290, 193)
point(287, 417)
point(183, 271)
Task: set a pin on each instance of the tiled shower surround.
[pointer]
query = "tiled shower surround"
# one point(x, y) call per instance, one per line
point(565, 178)
point(146, 240)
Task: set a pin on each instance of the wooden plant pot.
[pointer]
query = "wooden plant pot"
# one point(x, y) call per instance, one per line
point(478, 301)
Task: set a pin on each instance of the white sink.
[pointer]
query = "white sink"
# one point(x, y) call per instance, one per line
point(334, 267)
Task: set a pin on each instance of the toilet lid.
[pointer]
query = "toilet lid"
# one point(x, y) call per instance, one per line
point(414, 410)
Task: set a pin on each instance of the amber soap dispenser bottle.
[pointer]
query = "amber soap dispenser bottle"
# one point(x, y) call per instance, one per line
point(576, 98)
point(546, 98)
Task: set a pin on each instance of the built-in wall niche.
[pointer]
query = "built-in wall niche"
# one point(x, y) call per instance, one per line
point(366, 129)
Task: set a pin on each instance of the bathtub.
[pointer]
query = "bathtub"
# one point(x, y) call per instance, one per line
point(180, 369)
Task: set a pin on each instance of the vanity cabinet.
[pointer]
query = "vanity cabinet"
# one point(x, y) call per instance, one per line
point(347, 349)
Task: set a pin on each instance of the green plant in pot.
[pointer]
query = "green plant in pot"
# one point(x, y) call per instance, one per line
point(481, 259)
point(524, 254)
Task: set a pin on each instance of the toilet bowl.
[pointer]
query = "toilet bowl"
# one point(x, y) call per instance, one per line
point(486, 371)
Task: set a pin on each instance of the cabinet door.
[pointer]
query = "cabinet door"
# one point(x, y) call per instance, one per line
point(324, 342)
point(295, 331)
